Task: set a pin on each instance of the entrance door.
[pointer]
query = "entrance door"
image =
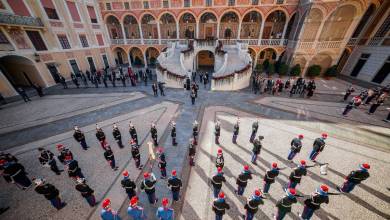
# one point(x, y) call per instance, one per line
point(120, 60)
point(383, 72)
point(74, 66)
point(105, 61)
point(53, 71)
point(91, 64)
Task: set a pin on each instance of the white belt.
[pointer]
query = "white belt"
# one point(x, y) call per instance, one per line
point(218, 208)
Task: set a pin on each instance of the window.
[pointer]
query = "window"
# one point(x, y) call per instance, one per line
point(18, 7)
point(359, 65)
point(73, 11)
point(50, 10)
point(3, 38)
point(279, 1)
point(36, 40)
point(146, 5)
point(383, 72)
point(187, 3)
point(127, 5)
point(83, 40)
point(74, 66)
point(382, 31)
point(231, 2)
point(64, 41)
point(255, 2)
point(108, 6)
point(209, 3)
point(165, 4)
point(92, 14)
point(99, 39)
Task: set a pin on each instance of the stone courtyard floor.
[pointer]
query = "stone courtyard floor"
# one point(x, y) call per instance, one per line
point(50, 120)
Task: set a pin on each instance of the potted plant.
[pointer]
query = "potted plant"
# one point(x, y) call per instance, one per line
point(259, 68)
point(313, 71)
point(266, 64)
point(283, 69)
point(331, 72)
point(295, 70)
point(271, 69)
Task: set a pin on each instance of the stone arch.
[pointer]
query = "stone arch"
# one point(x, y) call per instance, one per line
point(251, 25)
point(120, 55)
point(229, 23)
point(167, 26)
point(151, 54)
point(136, 57)
point(300, 59)
point(205, 60)
point(114, 27)
point(312, 24)
point(274, 25)
point(253, 55)
point(187, 24)
point(149, 26)
point(364, 20)
point(322, 59)
point(338, 23)
point(267, 53)
point(208, 25)
point(131, 26)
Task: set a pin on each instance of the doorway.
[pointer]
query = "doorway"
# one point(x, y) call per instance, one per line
point(91, 64)
point(53, 71)
point(74, 66)
point(205, 61)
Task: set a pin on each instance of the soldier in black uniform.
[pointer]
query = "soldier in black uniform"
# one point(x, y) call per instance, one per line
point(8, 157)
point(117, 136)
point(73, 168)
point(216, 181)
point(50, 192)
point(173, 133)
point(242, 180)
point(255, 127)
point(236, 129)
point(128, 184)
point(136, 154)
point(195, 132)
point(220, 206)
point(217, 131)
point(64, 153)
point(270, 176)
point(14, 172)
point(297, 173)
point(191, 152)
point(86, 191)
point(296, 145)
point(314, 202)
point(109, 156)
point(219, 161)
point(153, 132)
point(283, 206)
point(256, 149)
point(154, 87)
point(133, 133)
point(355, 178)
point(162, 163)
point(318, 146)
point(47, 159)
point(175, 184)
point(79, 137)
point(252, 205)
point(101, 137)
point(148, 185)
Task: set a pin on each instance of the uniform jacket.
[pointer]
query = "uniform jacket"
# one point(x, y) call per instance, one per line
point(136, 212)
point(217, 130)
point(148, 185)
point(109, 155)
point(297, 174)
point(236, 129)
point(357, 176)
point(219, 206)
point(63, 154)
point(318, 145)
point(316, 200)
point(285, 203)
point(11, 171)
point(192, 150)
point(48, 190)
point(84, 189)
point(134, 151)
point(174, 183)
point(165, 213)
point(73, 168)
point(153, 131)
point(256, 146)
point(255, 126)
point(217, 180)
point(296, 145)
point(219, 161)
point(128, 185)
point(270, 175)
point(242, 179)
point(117, 134)
point(162, 163)
point(109, 215)
point(133, 132)
point(78, 136)
point(46, 157)
point(173, 132)
point(253, 203)
point(100, 135)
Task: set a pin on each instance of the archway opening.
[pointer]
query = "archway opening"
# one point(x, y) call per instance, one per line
point(168, 26)
point(323, 60)
point(252, 53)
point(251, 24)
point(337, 25)
point(228, 26)
point(120, 56)
point(136, 57)
point(151, 56)
point(114, 27)
point(205, 61)
point(312, 25)
point(274, 25)
point(363, 21)
point(131, 27)
point(149, 27)
point(187, 26)
point(267, 54)
point(208, 26)
point(20, 71)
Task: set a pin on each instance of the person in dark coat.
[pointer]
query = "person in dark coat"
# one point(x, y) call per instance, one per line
point(377, 103)
point(269, 177)
point(39, 89)
point(318, 146)
point(314, 202)
point(105, 78)
point(14, 172)
point(242, 180)
point(310, 88)
point(109, 156)
point(72, 166)
point(23, 93)
point(86, 192)
point(162, 163)
point(74, 80)
point(153, 132)
point(7, 157)
point(217, 131)
point(113, 76)
point(101, 137)
point(297, 173)
point(296, 145)
point(173, 133)
point(133, 133)
point(193, 97)
point(252, 205)
point(47, 159)
point(355, 178)
point(154, 88)
point(80, 137)
point(349, 91)
point(135, 153)
point(219, 161)
point(63, 82)
point(50, 192)
point(161, 88)
point(354, 103)
point(283, 206)
point(236, 129)
point(191, 152)
point(117, 136)
point(175, 184)
point(256, 149)
point(64, 153)
point(85, 80)
point(220, 206)
point(148, 185)
point(128, 184)
point(217, 181)
point(255, 127)
point(195, 131)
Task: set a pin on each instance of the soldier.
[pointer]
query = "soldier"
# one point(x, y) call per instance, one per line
point(256, 149)
point(8, 157)
point(133, 133)
point(296, 145)
point(283, 206)
point(50, 192)
point(192, 152)
point(153, 132)
point(107, 212)
point(86, 191)
point(193, 96)
point(165, 212)
point(47, 160)
point(117, 135)
point(80, 137)
point(297, 173)
point(349, 91)
point(175, 184)
point(217, 131)
point(136, 154)
point(269, 177)
point(148, 185)
point(252, 204)
point(217, 180)
point(219, 161)
point(255, 127)
point(173, 133)
point(355, 178)
point(109, 156)
point(314, 202)
point(236, 130)
point(318, 146)
point(154, 87)
point(219, 206)
point(135, 211)
point(128, 184)
point(242, 180)
point(72, 166)
point(162, 163)
point(101, 137)
point(64, 153)
point(195, 131)
point(15, 173)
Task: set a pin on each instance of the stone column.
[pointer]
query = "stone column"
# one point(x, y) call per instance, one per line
point(159, 32)
point(284, 32)
point(123, 33)
point(218, 26)
point(141, 34)
point(261, 31)
point(145, 61)
point(239, 30)
point(177, 30)
point(197, 30)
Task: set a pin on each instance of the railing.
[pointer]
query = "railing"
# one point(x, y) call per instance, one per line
point(205, 43)
point(20, 20)
point(270, 42)
point(166, 41)
point(228, 41)
point(150, 41)
point(249, 41)
point(328, 44)
point(352, 42)
point(117, 41)
point(133, 41)
point(305, 45)
point(375, 41)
